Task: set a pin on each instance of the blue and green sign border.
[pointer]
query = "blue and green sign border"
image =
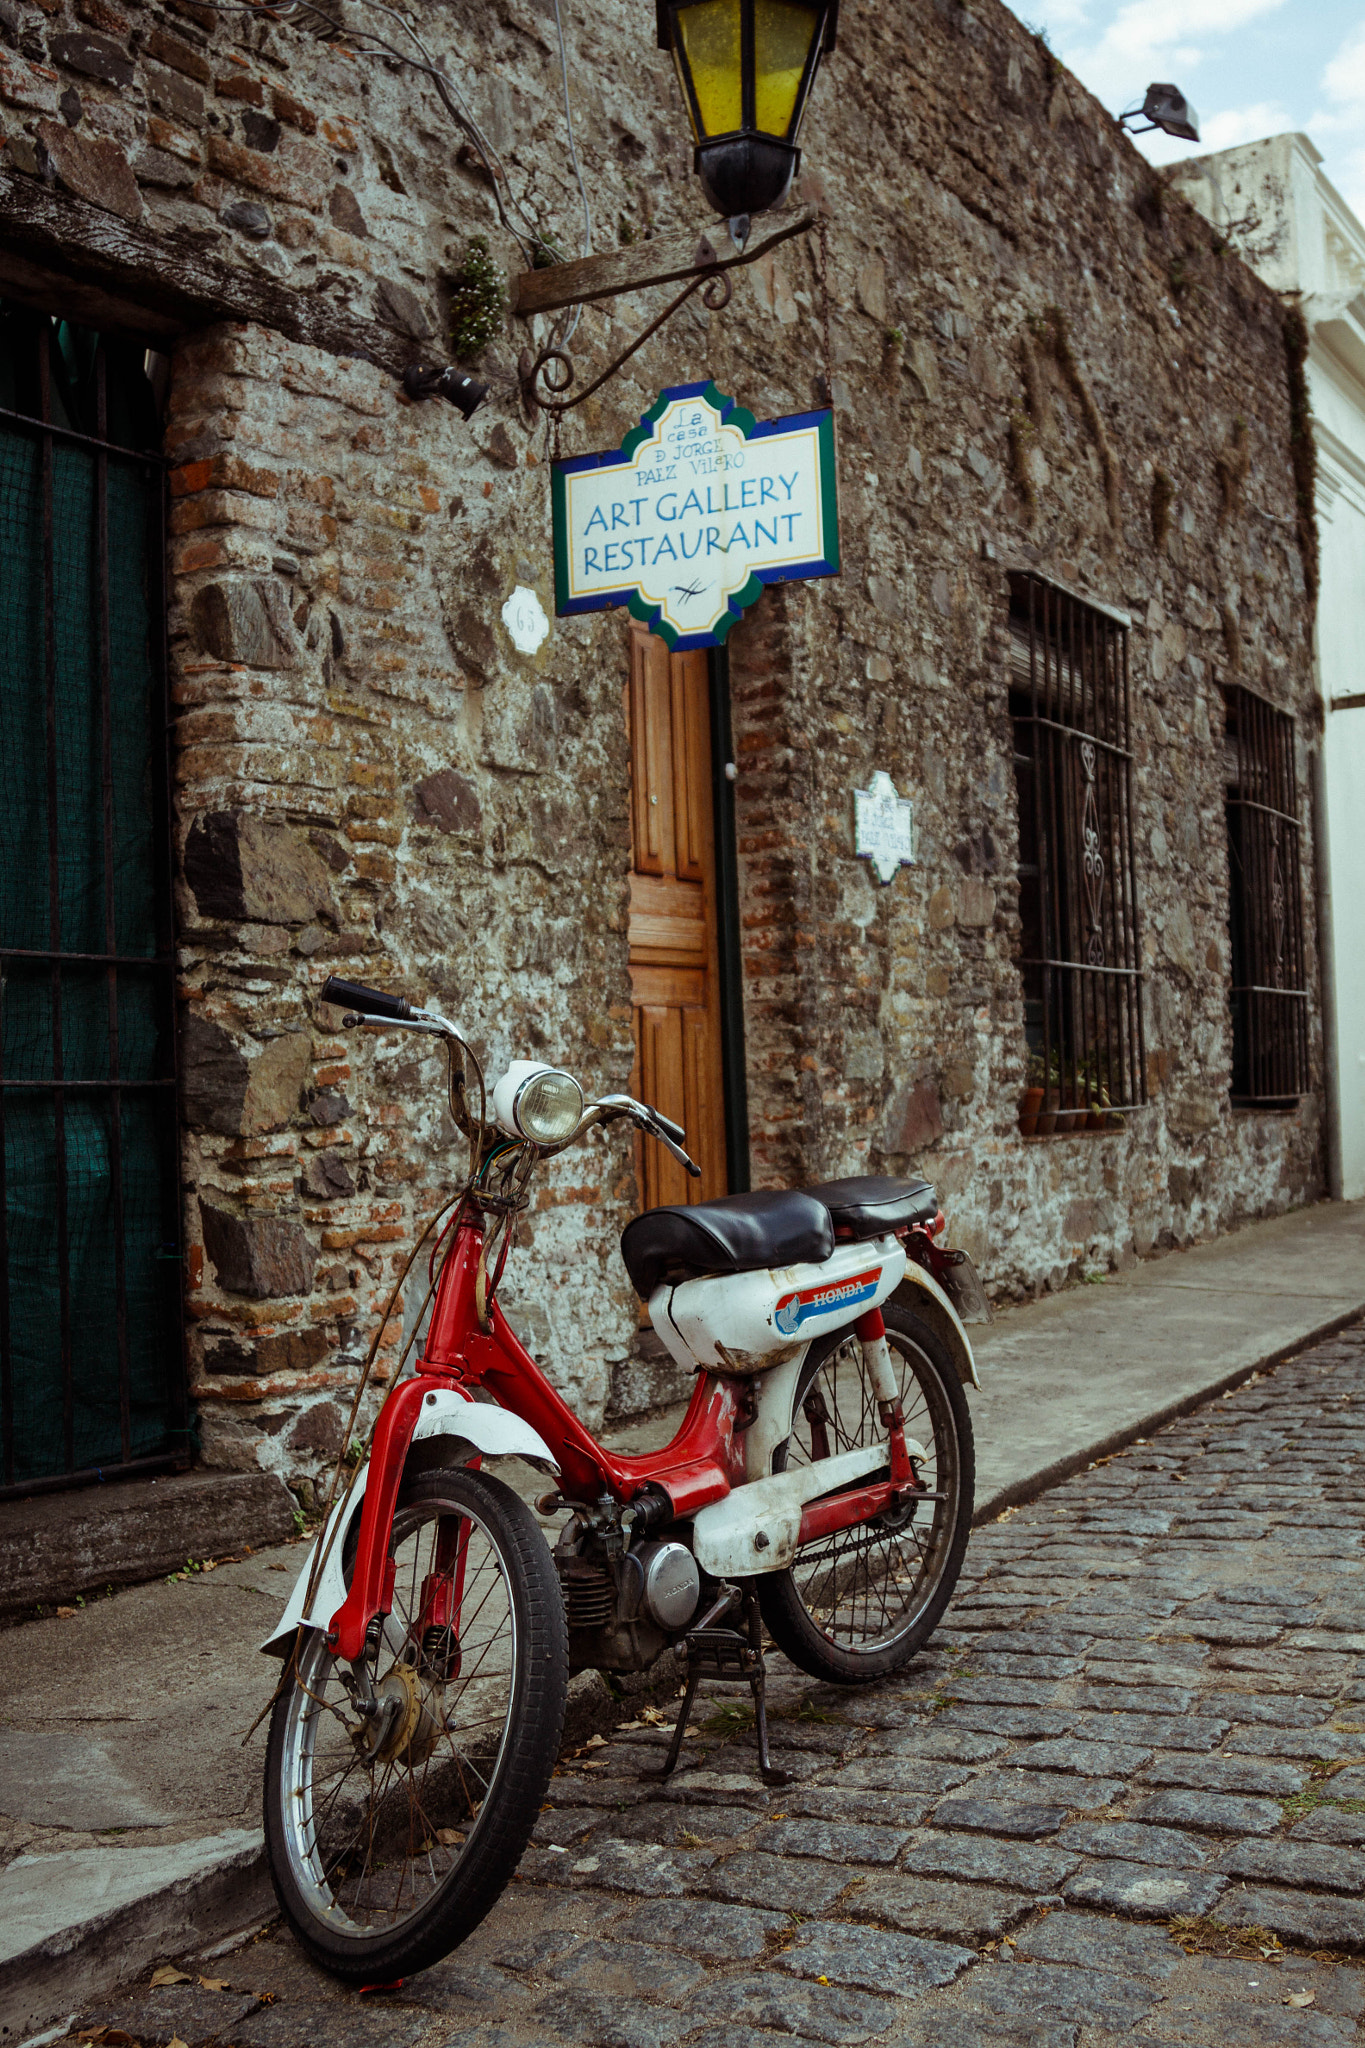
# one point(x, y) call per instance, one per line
point(731, 415)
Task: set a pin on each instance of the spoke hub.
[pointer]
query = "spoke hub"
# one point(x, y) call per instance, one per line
point(402, 1728)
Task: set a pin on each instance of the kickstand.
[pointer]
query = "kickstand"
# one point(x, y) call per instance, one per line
point(757, 1686)
point(680, 1729)
point(733, 1658)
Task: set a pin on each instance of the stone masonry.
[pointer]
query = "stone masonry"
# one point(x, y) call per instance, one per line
point(1121, 1798)
point(371, 780)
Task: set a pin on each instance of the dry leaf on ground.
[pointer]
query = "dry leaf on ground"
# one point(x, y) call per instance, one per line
point(1302, 1998)
point(66, 1614)
point(214, 1984)
point(166, 1973)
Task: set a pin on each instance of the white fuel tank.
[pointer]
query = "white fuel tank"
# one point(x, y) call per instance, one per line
point(747, 1322)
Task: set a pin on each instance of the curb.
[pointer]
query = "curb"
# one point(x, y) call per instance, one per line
point(66, 1968)
point(1047, 1476)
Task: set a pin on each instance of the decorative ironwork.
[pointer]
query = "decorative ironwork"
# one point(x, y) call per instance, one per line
point(552, 373)
point(1269, 989)
point(1093, 859)
point(1079, 952)
point(1276, 904)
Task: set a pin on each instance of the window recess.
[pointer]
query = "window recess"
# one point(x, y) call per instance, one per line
point(1079, 950)
point(1268, 993)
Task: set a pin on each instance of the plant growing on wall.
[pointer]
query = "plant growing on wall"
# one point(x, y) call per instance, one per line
point(478, 296)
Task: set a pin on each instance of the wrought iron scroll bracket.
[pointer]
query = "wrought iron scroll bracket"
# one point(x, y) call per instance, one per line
point(546, 377)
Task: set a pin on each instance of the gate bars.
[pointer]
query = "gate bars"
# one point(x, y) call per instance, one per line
point(88, 1129)
point(1069, 701)
point(1269, 992)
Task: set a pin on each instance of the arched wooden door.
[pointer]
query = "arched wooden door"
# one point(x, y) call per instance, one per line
point(674, 973)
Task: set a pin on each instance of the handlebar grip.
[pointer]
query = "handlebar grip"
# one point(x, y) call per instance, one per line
point(371, 1002)
point(668, 1127)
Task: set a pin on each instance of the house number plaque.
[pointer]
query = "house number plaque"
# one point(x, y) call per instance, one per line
point(883, 826)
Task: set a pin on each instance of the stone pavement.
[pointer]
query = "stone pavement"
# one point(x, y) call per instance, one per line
point(1121, 1798)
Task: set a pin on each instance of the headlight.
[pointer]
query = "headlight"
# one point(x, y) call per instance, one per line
point(539, 1103)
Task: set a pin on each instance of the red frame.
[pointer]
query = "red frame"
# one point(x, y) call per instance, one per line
point(704, 1461)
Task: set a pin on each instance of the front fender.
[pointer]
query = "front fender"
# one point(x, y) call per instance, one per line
point(921, 1292)
point(471, 1429)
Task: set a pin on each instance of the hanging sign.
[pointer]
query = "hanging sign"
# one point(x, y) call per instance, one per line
point(883, 826)
point(696, 510)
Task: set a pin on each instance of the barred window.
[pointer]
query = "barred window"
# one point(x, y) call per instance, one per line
point(1069, 702)
point(1269, 994)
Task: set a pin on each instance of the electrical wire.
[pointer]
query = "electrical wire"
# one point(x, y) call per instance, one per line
point(563, 339)
point(313, 18)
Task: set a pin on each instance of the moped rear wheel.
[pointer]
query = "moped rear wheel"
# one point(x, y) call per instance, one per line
point(399, 1800)
point(857, 1605)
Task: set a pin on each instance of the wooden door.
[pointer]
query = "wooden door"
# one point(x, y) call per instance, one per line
point(673, 969)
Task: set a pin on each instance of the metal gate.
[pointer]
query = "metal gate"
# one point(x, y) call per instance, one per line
point(91, 1353)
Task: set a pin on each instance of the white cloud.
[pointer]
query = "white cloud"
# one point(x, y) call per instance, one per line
point(1235, 125)
point(1343, 118)
point(1159, 39)
point(1343, 81)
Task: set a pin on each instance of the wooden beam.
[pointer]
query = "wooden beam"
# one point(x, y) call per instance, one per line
point(665, 261)
point(175, 277)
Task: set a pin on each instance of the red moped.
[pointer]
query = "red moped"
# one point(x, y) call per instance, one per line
point(819, 1485)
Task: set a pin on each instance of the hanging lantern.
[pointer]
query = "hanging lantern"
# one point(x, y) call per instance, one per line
point(746, 68)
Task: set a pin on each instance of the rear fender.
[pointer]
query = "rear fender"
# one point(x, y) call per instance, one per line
point(921, 1293)
point(468, 1431)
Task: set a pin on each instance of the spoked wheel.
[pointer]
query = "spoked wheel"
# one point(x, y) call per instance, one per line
point(401, 1793)
point(858, 1604)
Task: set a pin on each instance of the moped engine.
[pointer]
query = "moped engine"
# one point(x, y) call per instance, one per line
point(623, 1610)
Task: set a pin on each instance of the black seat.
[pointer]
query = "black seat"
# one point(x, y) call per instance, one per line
point(738, 1234)
point(872, 1205)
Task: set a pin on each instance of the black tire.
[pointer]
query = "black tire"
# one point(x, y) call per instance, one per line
point(341, 1829)
point(858, 1605)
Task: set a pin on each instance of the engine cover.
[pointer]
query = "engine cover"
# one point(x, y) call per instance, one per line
point(672, 1584)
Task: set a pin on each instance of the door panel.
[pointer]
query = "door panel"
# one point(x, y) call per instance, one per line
point(673, 969)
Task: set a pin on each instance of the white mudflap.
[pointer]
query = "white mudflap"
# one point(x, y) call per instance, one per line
point(475, 1429)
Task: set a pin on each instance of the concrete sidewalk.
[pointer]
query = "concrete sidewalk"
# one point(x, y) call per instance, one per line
point(131, 1806)
point(1071, 1377)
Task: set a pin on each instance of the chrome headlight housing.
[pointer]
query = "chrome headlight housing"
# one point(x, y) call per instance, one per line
point(543, 1104)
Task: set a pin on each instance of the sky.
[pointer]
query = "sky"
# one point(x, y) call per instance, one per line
point(1249, 67)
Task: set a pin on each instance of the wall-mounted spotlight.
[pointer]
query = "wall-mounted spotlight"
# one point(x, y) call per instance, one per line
point(1166, 108)
point(464, 392)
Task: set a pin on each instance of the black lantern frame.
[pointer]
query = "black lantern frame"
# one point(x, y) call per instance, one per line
point(746, 170)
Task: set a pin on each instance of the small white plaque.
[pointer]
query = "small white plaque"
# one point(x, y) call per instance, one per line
point(883, 826)
point(525, 620)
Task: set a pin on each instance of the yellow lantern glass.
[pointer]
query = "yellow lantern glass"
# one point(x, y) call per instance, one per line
point(709, 41)
point(783, 34)
point(746, 68)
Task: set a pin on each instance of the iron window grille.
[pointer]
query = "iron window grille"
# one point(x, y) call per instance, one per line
point(92, 1378)
point(1269, 992)
point(1079, 947)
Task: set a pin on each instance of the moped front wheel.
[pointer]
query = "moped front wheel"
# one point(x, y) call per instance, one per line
point(401, 1794)
point(858, 1605)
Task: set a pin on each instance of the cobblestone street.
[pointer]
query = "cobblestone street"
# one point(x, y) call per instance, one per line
point(1121, 1798)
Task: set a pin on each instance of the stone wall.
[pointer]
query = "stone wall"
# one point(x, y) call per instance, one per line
point(372, 780)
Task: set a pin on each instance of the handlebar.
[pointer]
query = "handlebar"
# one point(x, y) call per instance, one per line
point(370, 1002)
point(373, 1005)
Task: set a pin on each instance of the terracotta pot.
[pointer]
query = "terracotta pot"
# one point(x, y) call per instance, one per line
point(1047, 1123)
point(1028, 1111)
point(1071, 1120)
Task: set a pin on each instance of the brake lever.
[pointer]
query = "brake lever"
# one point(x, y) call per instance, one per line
point(675, 1149)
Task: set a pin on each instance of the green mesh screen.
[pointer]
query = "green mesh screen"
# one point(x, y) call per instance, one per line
point(90, 1366)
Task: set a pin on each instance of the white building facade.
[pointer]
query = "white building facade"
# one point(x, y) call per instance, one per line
point(1298, 234)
